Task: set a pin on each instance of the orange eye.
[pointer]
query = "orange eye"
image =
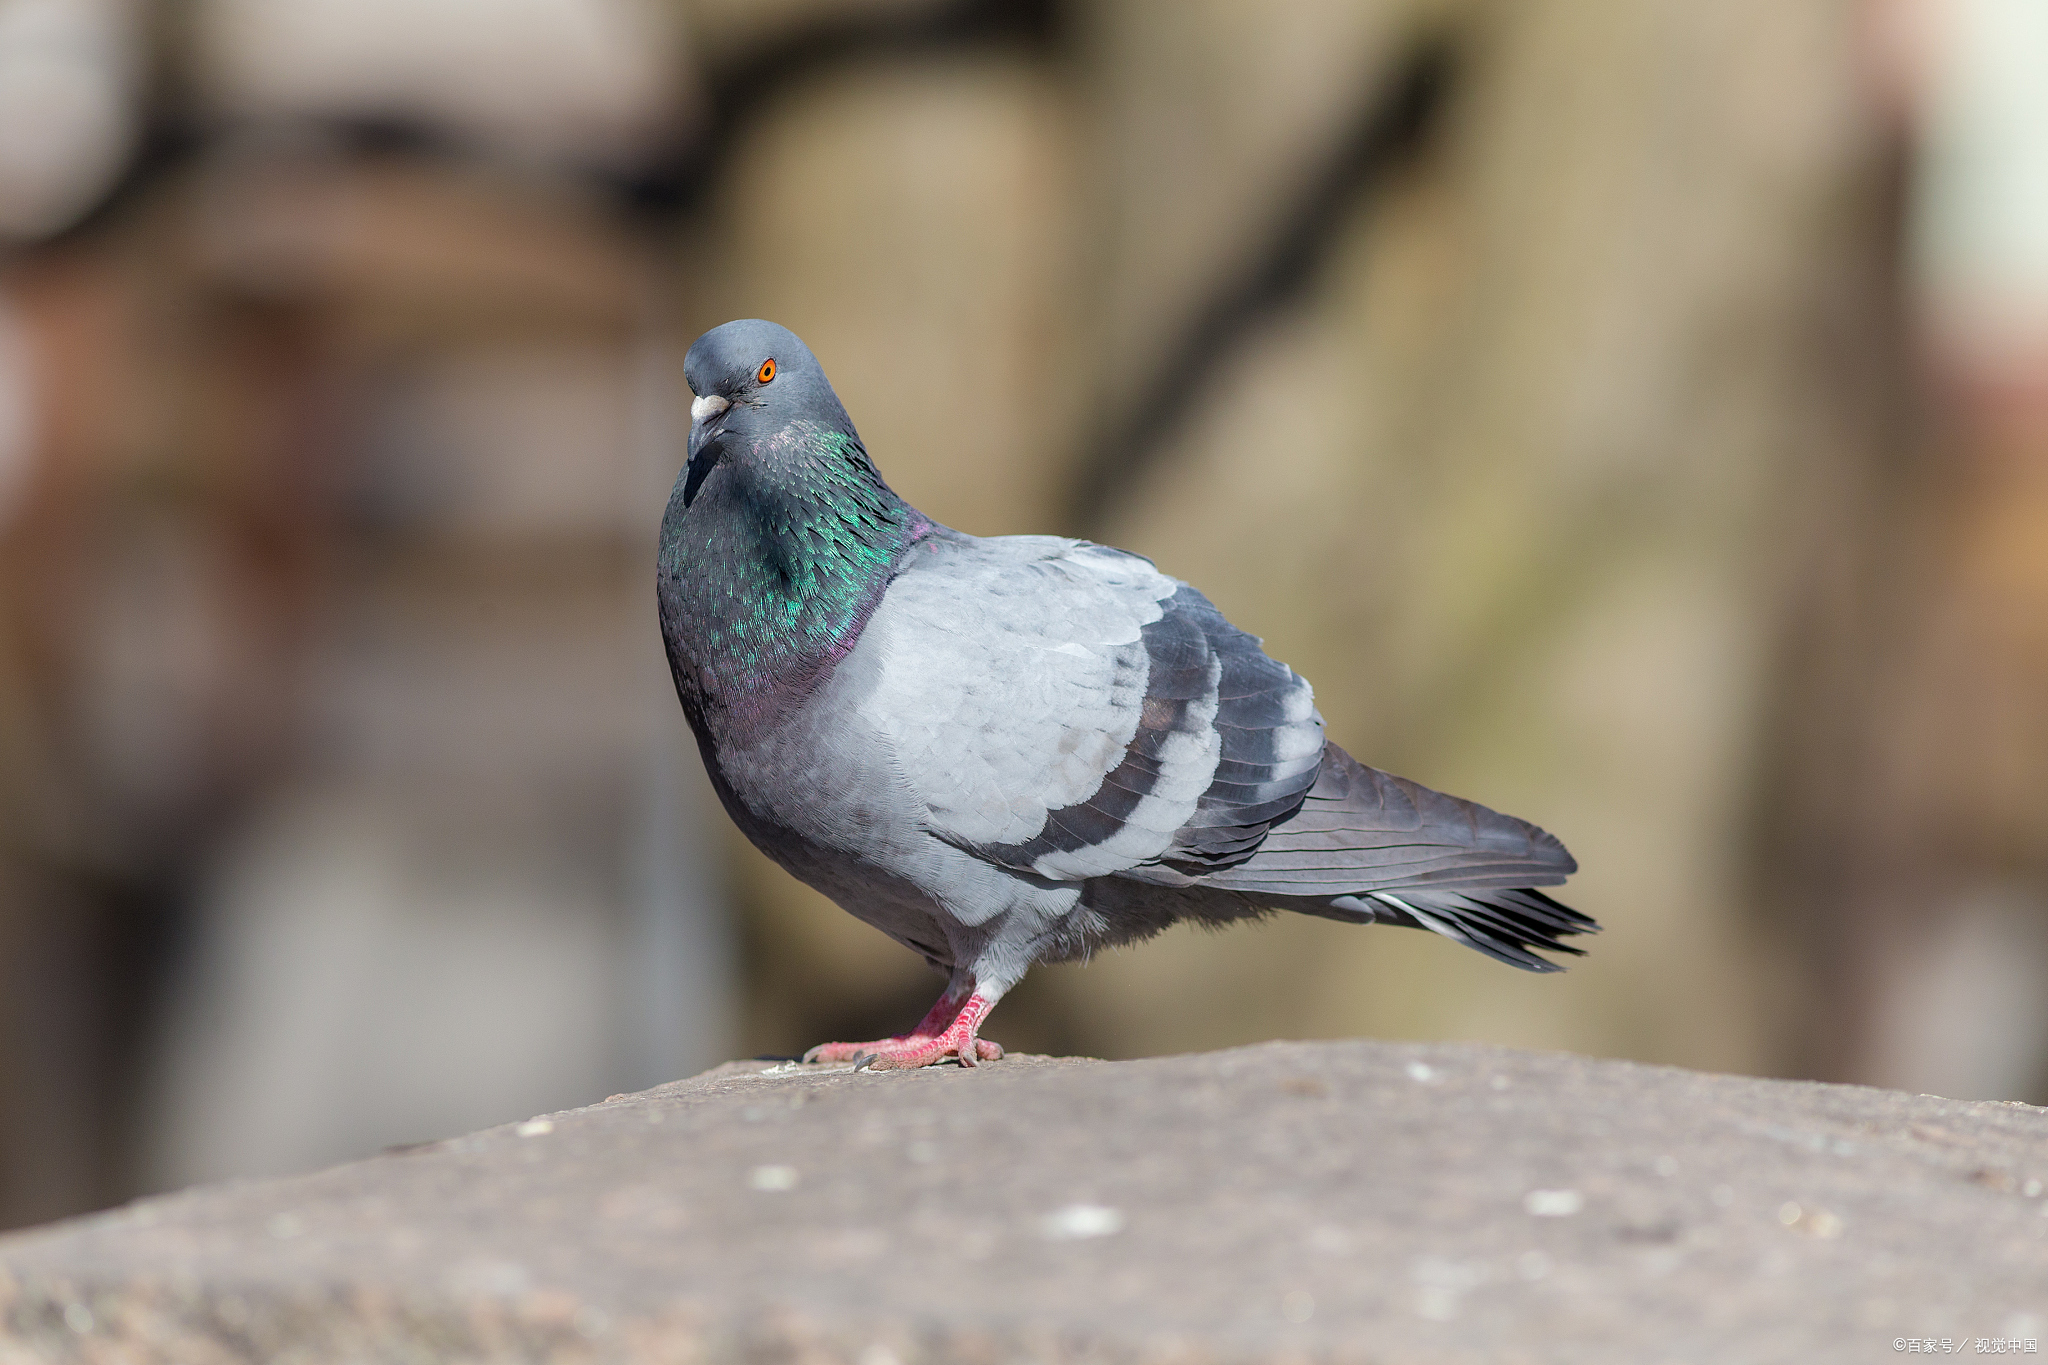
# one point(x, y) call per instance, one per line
point(765, 373)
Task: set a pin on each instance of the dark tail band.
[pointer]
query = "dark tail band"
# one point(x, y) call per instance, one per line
point(1505, 925)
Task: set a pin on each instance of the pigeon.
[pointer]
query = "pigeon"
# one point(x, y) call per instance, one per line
point(1018, 749)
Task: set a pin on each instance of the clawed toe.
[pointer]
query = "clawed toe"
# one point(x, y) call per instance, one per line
point(981, 1050)
point(907, 1054)
point(948, 1031)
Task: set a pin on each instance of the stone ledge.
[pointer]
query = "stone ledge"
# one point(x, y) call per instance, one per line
point(1295, 1201)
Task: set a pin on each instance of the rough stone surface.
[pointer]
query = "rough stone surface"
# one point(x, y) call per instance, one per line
point(1289, 1202)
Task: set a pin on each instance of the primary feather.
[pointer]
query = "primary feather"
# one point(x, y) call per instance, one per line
point(1020, 749)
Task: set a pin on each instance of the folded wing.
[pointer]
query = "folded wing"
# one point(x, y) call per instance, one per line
point(1069, 711)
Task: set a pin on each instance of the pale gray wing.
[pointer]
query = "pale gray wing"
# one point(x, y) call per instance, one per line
point(1068, 710)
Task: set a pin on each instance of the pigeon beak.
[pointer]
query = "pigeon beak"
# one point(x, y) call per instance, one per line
point(704, 431)
point(703, 412)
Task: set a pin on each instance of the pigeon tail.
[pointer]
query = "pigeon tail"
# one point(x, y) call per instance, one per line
point(1505, 925)
point(1367, 846)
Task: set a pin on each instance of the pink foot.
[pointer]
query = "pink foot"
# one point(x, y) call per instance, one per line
point(948, 1031)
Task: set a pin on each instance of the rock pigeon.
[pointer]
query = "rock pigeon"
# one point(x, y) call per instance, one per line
point(1019, 749)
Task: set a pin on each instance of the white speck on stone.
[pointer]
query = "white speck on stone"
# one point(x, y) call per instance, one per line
point(1813, 1222)
point(78, 1318)
point(1437, 1303)
point(1499, 1082)
point(878, 1353)
point(1297, 1305)
point(285, 1226)
point(2032, 1189)
point(1665, 1166)
point(773, 1179)
point(1553, 1203)
point(1078, 1221)
point(591, 1322)
point(1724, 1195)
point(2022, 1325)
point(1532, 1265)
point(535, 1128)
point(923, 1153)
point(1421, 1072)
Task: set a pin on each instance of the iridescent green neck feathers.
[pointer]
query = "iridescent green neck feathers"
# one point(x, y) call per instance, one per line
point(767, 576)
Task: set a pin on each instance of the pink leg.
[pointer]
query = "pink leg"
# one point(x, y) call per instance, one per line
point(949, 1030)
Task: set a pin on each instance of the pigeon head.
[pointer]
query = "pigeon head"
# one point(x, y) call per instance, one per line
point(753, 379)
point(780, 536)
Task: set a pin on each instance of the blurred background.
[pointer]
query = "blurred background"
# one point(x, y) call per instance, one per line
point(1631, 415)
